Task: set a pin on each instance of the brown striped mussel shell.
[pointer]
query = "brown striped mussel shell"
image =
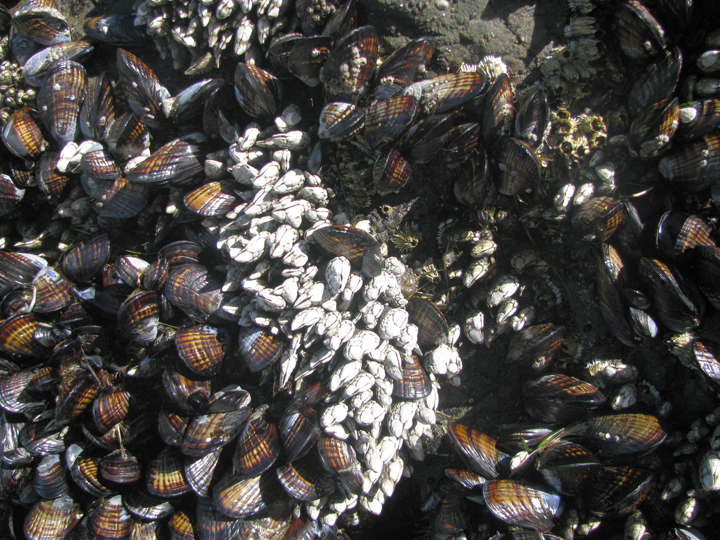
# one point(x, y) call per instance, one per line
point(59, 109)
point(86, 258)
point(400, 68)
point(358, 51)
point(559, 398)
point(414, 384)
point(515, 167)
point(598, 218)
point(258, 447)
point(143, 90)
point(54, 518)
point(694, 166)
point(521, 504)
point(176, 163)
point(258, 92)
point(339, 121)
point(356, 245)
point(445, 93)
point(535, 346)
point(202, 348)
point(165, 474)
point(211, 199)
point(22, 136)
point(477, 450)
point(639, 32)
point(387, 119)
point(391, 172)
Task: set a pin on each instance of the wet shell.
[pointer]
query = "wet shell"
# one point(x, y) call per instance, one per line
point(567, 466)
point(51, 182)
point(445, 93)
point(335, 455)
point(37, 65)
point(138, 318)
point(165, 476)
point(202, 472)
point(515, 167)
point(679, 234)
point(498, 111)
point(22, 136)
point(391, 172)
point(304, 480)
point(190, 288)
point(179, 253)
point(653, 128)
point(100, 164)
point(278, 53)
point(110, 408)
point(177, 163)
point(120, 467)
point(387, 119)
point(532, 122)
point(414, 384)
point(639, 33)
point(209, 432)
point(698, 119)
point(86, 258)
point(211, 199)
point(171, 427)
point(244, 498)
point(186, 394)
point(181, 526)
point(41, 22)
point(145, 506)
point(143, 90)
point(259, 348)
point(97, 113)
point(522, 505)
point(462, 143)
point(560, 398)
point(117, 30)
point(693, 166)
point(59, 100)
point(258, 448)
point(618, 490)
point(49, 481)
point(307, 57)
point(536, 346)
point(14, 397)
point(127, 136)
point(350, 65)
point(620, 434)
point(10, 195)
point(431, 323)
point(258, 92)
point(473, 186)
point(339, 121)
point(74, 397)
point(84, 472)
point(48, 520)
point(356, 245)
point(656, 83)
point(427, 137)
point(52, 291)
point(401, 67)
point(299, 431)
point(598, 218)
point(110, 519)
point(186, 108)
point(17, 336)
point(116, 198)
point(477, 450)
point(201, 348)
point(706, 269)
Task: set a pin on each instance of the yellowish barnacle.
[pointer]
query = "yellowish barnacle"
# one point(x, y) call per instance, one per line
point(430, 272)
point(407, 238)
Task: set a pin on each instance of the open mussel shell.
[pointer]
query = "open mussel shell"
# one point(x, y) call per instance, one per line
point(339, 121)
point(138, 317)
point(358, 52)
point(536, 346)
point(693, 166)
point(400, 68)
point(244, 498)
point(176, 163)
point(477, 450)
point(259, 348)
point(258, 92)
point(567, 466)
point(598, 218)
point(638, 31)
point(299, 431)
point(211, 199)
point(22, 136)
point(414, 384)
point(201, 348)
point(387, 119)
point(127, 136)
point(515, 166)
point(431, 323)
point(620, 434)
point(617, 490)
point(55, 518)
point(143, 90)
point(445, 93)
point(110, 519)
point(86, 258)
point(391, 172)
point(656, 83)
point(59, 109)
point(120, 467)
point(190, 288)
point(523, 505)
point(41, 22)
point(679, 234)
point(354, 244)
point(497, 111)
point(307, 57)
point(560, 398)
point(97, 113)
point(258, 447)
point(679, 305)
point(49, 481)
point(653, 128)
point(165, 474)
point(210, 432)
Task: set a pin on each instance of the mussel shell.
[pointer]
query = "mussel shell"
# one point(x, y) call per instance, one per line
point(703, 121)
point(211, 199)
point(120, 467)
point(679, 306)
point(567, 466)
point(431, 323)
point(307, 57)
point(201, 472)
point(14, 394)
point(74, 397)
point(52, 519)
point(706, 268)
point(109, 408)
point(100, 164)
point(354, 244)
point(401, 67)
point(259, 348)
point(202, 348)
point(653, 128)
point(498, 111)
point(117, 30)
point(171, 427)
point(477, 450)
point(414, 384)
point(339, 121)
point(640, 35)
point(110, 519)
point(37, 65)
point(523, 505)
point(299, 431)
point(462, 143)
point(387, 119)
point(426, 138)
point(50, 182)
point(620, 434)
point(358, 52)
point(17, 336)
point(44, 24)
point(127, 136)
point(22, 136)
point(97, 113)
point(515, 166)
point(391, 172)
point(10, 195)
point(86, 258)
point(445, 93)
point(138, 317)
point(43, 438)
point(181, 526)
point(185, 394)
point(85, 472)
point(258, 448)
point(187, 107)
point(618, 490)
point(560, 398)
point(176, 163)
point(473, 186)
point(304, 480)
point(532, 122)
point(145, 506)
point(467, 479)
point(535, 346)
point(693, 166)
point(243, 498)
point(706, 354)
point(598, 218)
point(52, 291)
point(278, 53)
point(165, 474)
point(341, 22)
point(59, 100)
point(211, 523)
point(258, 92)
point(179, 253)
point(143, 90)
point(677, 234)
point(210, 432)
point(49, 481)
point(335, 454)
point(191, 288)
point(610, 281)
point(656, 83)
